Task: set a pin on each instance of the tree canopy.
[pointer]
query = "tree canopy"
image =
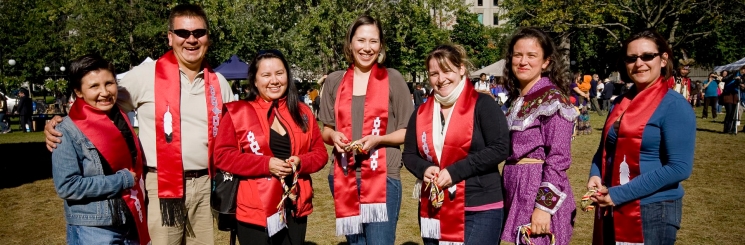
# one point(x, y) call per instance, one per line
point(310, 33)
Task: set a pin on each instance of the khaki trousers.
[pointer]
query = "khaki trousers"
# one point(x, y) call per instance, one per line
point(197, 206)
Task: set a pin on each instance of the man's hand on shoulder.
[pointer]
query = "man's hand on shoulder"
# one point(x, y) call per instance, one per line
point(52, 135)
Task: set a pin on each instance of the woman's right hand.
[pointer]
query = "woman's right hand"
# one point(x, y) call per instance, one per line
point(430, 173)
point(279, 167)
point(52, 135)
point(340, 141)
point(594, 183)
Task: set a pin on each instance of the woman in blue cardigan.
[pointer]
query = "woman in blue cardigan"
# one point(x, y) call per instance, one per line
point(638, 181)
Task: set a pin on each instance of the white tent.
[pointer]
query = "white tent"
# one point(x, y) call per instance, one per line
point(495, 69)
point(121, 75)
point(730, 67)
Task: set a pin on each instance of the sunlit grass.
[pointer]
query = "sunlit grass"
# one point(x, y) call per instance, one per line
point(712, 213)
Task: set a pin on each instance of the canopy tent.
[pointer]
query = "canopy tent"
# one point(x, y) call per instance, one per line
point(495, 69)
point(121, 75)
point(233, 69)
point(730, 67)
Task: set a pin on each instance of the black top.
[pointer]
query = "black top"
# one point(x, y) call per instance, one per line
point(608, 90)
point(418, 96)
point(25, 106)
point(280, 145)
point(593, 89)
point(489, 147)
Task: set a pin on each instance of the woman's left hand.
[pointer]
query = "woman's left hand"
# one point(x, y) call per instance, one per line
point(370, 142)
point(443, 179)
point(602, 198)
point(540, 222)
point(294, 160)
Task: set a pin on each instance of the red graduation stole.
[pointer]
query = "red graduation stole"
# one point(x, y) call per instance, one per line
point(101, 131)
point(168, 133)
point(253, 137)
point(446, 223)
point(369, 206)
point(636, 109)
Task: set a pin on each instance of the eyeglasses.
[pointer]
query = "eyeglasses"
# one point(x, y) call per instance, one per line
point(645, 57)
point(183, 33)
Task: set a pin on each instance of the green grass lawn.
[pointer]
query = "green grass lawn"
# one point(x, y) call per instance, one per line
point(712, 214)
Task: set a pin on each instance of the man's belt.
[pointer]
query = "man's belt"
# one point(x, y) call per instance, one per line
point(188, 174)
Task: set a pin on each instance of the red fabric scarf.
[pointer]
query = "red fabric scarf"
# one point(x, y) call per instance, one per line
point(253, 137)
point(101, 131)
point(168, 133)
point(636, 109)
point(446, 223)
point(369, 206)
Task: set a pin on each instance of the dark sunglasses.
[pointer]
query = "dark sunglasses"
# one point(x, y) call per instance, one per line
point(645, 57)
point(183, 33)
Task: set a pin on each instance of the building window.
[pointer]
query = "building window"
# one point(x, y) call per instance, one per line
point(496, 19)
point(481, 18)
point(480, 2)
point(496, 2)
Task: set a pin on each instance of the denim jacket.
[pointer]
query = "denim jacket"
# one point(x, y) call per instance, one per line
point(80, 181)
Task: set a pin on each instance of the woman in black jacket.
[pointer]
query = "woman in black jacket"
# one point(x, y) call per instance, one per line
point(454, 143)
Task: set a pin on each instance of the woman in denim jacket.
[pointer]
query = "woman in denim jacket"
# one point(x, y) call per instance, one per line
point(97, 168)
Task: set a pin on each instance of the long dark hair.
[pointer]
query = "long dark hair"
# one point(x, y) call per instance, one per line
point(361, 21)
point(291, 95)
point(556, 71)
point(662, 47)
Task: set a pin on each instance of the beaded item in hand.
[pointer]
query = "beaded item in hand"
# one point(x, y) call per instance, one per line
point(586, 203)
point(289, 191)
point(356, 147)
point(436, 195)
point(524, 233)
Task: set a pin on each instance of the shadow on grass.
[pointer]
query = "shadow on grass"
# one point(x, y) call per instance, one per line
point(709, 130)
point(32, 162)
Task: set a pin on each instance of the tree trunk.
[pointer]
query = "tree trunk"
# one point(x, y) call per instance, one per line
point(565, 45)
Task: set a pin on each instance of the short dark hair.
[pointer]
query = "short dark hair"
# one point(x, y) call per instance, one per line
point(85, 64)
point(361, 21)
point(291, 94)
point(188, 10)
point(482, 74)
point(662, 47)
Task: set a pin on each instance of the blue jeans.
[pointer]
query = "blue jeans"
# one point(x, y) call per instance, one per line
point(661, 221)
point(383, 233)
point(482, 227)
point(79, 234)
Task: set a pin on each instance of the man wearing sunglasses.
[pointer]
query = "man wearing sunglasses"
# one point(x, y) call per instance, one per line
point(177, 93)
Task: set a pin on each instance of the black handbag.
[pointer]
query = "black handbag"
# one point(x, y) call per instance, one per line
point(223, 199)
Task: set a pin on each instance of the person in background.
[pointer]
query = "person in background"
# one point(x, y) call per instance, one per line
point(600, 87)
point(645, 151)
point(711, 95)
point(607, 94)
point(721, 88)
point(25, 109)
point(365, 110)
point(695, 93)
point(483, 86)
point(730, 98)
point(98, 167)
point(594, 94)
point(418, 96)
point(4, 129)
point(462, 164)
point(538, 195)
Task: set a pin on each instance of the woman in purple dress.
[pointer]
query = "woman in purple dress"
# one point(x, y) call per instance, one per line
point(538, 198)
